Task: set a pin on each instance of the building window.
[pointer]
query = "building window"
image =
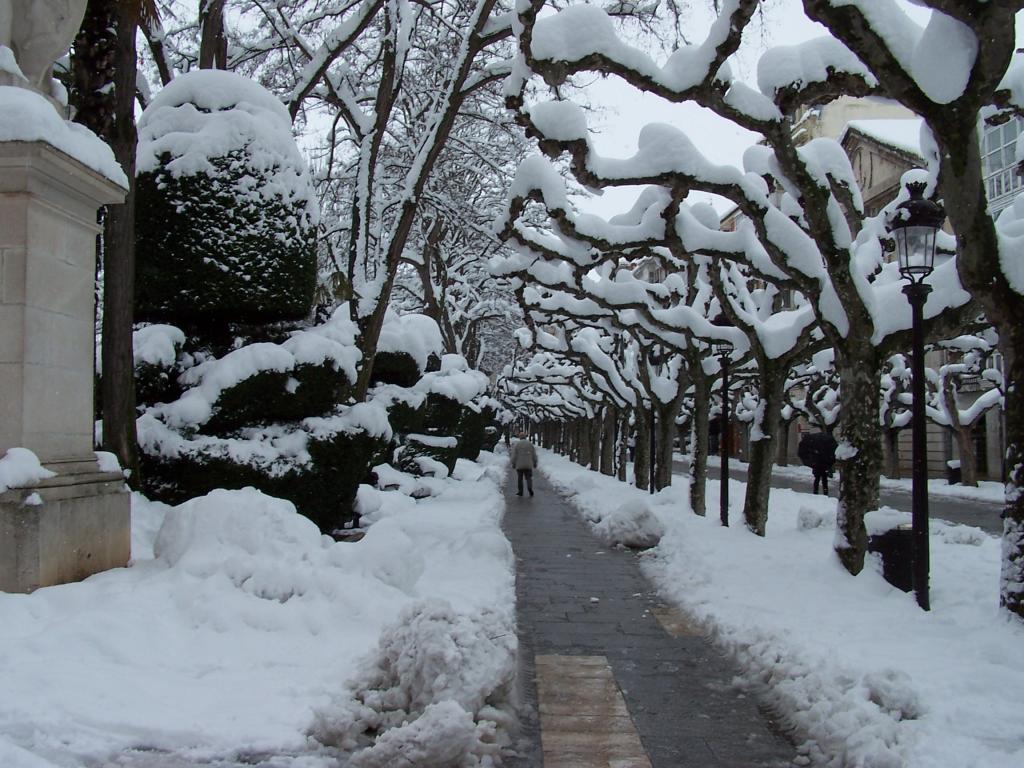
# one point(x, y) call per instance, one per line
point(998, 163)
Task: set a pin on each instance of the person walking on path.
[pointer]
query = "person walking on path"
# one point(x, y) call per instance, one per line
point(524, 461)
point(817, 450)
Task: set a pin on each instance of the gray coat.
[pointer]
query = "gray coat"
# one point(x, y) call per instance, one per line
point(524, 455)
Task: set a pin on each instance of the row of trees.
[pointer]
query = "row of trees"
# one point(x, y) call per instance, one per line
point(399, 109)
point(804, 230)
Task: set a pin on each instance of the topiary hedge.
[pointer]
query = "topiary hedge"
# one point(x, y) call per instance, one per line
point(324, 490)
point(206, 256)
point(225, 211)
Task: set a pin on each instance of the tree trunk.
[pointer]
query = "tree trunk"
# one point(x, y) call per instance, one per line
point(962, 435)
point(596, 429)
point(585, 454)
point(1012, 571)
point(771, 386)
point(782, 445)
point(892, 453)
point(213, 45)
point(608, 440)
point(642, 452)
point(104, 69)
point(859, 471)
point(622, 444)
point(666, 431)
point(968, 462)
point(699, 448)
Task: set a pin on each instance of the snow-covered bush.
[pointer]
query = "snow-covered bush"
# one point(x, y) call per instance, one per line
point(409, 346)
point(269, 414)
point(440, 684)
point(225, 211)
point(277, 414)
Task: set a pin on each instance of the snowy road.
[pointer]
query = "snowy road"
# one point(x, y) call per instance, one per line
point(983, 514)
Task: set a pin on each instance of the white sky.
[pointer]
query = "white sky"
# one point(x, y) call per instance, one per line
point(624, 111)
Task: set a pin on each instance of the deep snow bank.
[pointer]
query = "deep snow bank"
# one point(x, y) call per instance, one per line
point(243, 627)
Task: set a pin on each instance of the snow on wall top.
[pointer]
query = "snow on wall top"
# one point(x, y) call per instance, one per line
point(27, 116)
point(19, 467)
point(207, 114)
point(904, 135)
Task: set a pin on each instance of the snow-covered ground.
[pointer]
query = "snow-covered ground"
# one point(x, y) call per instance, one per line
point(248, 630)
point(862, 675)
point(987, 490)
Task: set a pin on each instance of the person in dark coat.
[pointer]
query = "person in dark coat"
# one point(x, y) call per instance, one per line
point(817, 450)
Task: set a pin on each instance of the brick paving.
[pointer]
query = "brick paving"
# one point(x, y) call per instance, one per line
point(592, 606)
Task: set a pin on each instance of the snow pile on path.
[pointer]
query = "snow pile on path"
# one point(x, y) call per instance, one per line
point(239, 633)
point(850, 664)
point(19, 467)
point(627, 522)
point(433, 664)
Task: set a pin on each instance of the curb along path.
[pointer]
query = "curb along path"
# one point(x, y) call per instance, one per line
point(618, 679)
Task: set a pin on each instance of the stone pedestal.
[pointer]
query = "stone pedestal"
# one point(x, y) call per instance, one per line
point(78, 522)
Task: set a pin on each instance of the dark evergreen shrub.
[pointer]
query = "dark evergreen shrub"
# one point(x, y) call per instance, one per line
point(405, 419)
point(324, 491)
point(443, 414)
point(272, 397)
point(156, 384)
point(473, 432)
point(412, 449)
point(207, 256)
point(398, 368)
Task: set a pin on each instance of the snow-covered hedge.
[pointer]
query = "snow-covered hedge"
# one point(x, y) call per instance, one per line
point(277, 414)
point(225, 212)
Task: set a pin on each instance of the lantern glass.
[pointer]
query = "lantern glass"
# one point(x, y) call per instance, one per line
point(915, 248)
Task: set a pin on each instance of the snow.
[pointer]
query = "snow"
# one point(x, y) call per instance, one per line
point(27, 116)
point(797, 66)
point(944, 57)
point(416, 335)
point(238, 635)
point(1010, 229)
point(904, 135)
point(19, 468)
point(630, 525)
point(851, 664)
point(157, 344)
point(108, 462)
point(455, 380)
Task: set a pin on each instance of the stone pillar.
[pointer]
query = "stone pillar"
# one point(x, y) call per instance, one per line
point(78, 522)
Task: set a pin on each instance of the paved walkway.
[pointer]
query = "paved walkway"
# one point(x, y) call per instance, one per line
point(613, 678)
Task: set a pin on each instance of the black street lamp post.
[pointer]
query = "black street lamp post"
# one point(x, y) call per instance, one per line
point(915, 228)
point(723, 443)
